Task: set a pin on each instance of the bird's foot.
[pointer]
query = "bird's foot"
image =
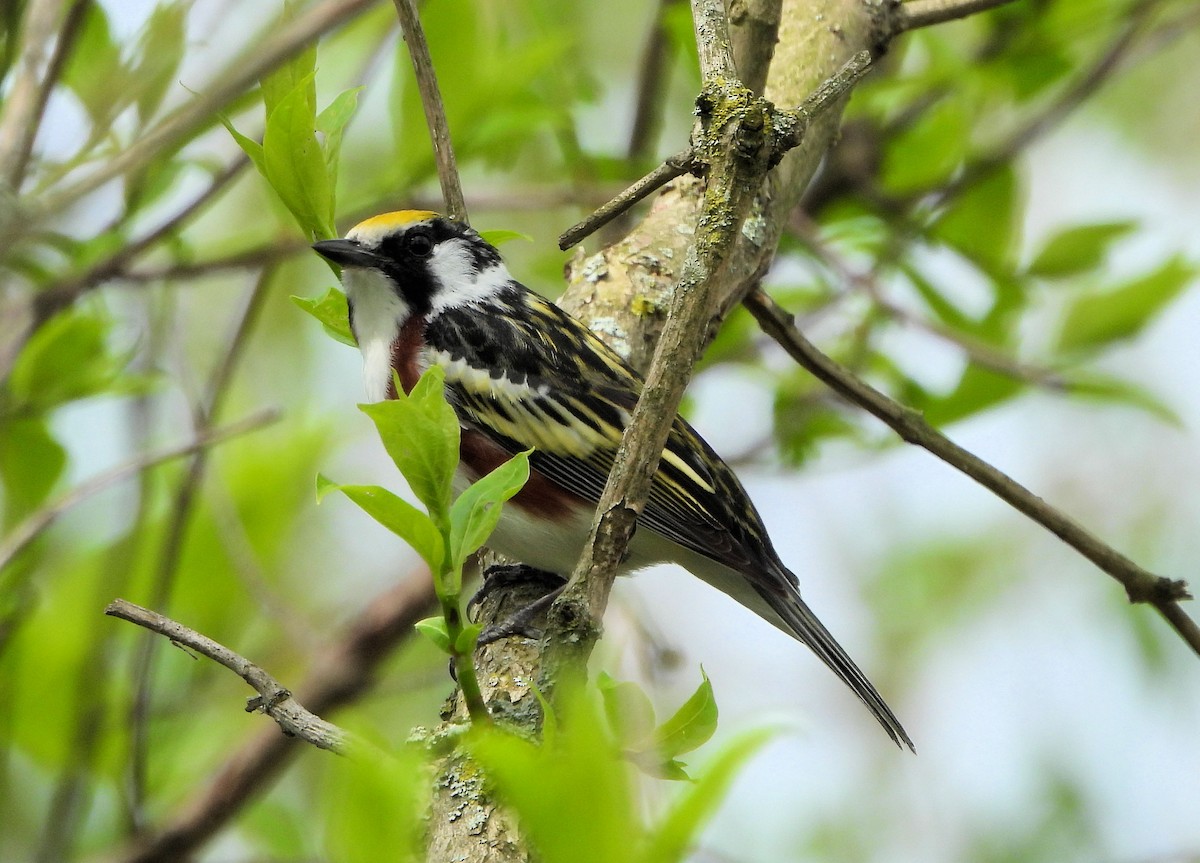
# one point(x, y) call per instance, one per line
point(519, 622)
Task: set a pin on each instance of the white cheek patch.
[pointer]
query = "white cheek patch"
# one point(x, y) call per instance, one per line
point(453, 266)
point(379, 312)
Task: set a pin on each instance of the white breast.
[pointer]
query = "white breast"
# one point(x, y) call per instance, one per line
point(378, 314)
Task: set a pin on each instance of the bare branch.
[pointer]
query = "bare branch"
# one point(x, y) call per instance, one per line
point(176, 531)
point(18, 123)
point(273, 699)
point(435, 111)
point(755, 34)
point(673, 167)
point(344, 674)
point(264, 54)
point(828, 94)
point(1140, 585)
point(712, 40)
point(36, 522)
point(52, 300)
point(924, 13)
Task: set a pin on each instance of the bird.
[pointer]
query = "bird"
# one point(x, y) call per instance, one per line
point(524, 375)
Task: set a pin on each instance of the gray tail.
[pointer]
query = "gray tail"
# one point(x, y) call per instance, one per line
point(805, 627)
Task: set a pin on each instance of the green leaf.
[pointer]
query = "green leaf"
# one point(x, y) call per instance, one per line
point(295, 164)
point(66, 359)
point(434, 628)
point(1078, 249)
point(629, 709)
point(1100, 319)
point(925, 154)
point(376, 808)
point(692, 724)
point(465, 643)
point(983, 223)
point(331, 123)
point(474, 515)
point(573, 798)
point(249, 146)
point(1110, 389)
point(160, 49)
point(679, 829)
point(299, 73)
point(95, 72)
point(31, 461)
point(500, 236)
point(397, 515)
point(420, 432)
point(333, 313)
point(978, 389)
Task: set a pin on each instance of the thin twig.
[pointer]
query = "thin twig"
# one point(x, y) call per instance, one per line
point(826, 95)
point(63, 46)
point(18, 122)
point(345, 673)
point(63, 294)
point(273, 699)
point(673, 167)
point(1140, 585)
point(261, 57)
point(924, 13)
point(651, 85)
point(37, 522)
point(173, 541)
point(435, 111)
point(712, 41)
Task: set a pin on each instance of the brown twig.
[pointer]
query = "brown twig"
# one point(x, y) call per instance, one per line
point(262, 56)
point(925, 13)
point(344, 675)
point(18, 121)
point(651, 85)
point(52, 299)
point(63, 45)
point(673, 167)
point(273, 699)
point(36, 522)
point(1140, 585)
point(174, 536)
point(435, 111)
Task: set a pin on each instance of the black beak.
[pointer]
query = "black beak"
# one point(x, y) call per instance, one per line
point(347, 253)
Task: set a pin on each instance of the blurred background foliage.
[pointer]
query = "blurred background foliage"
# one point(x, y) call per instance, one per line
point(147, 270)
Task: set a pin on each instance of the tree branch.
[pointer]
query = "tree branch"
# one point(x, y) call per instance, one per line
point(18, 122)
point(673, 167)
point(264, 54)
point(733, 141)
point(36, 522)
point(273, 699)
point(435, 111)
point(181, 510)
point(924, 13)
point(344, 674)
point(1140, 585)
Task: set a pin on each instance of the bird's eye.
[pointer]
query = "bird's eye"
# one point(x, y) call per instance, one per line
point(420, 245)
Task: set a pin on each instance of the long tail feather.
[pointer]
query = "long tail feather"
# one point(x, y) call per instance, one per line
point(808, 629)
